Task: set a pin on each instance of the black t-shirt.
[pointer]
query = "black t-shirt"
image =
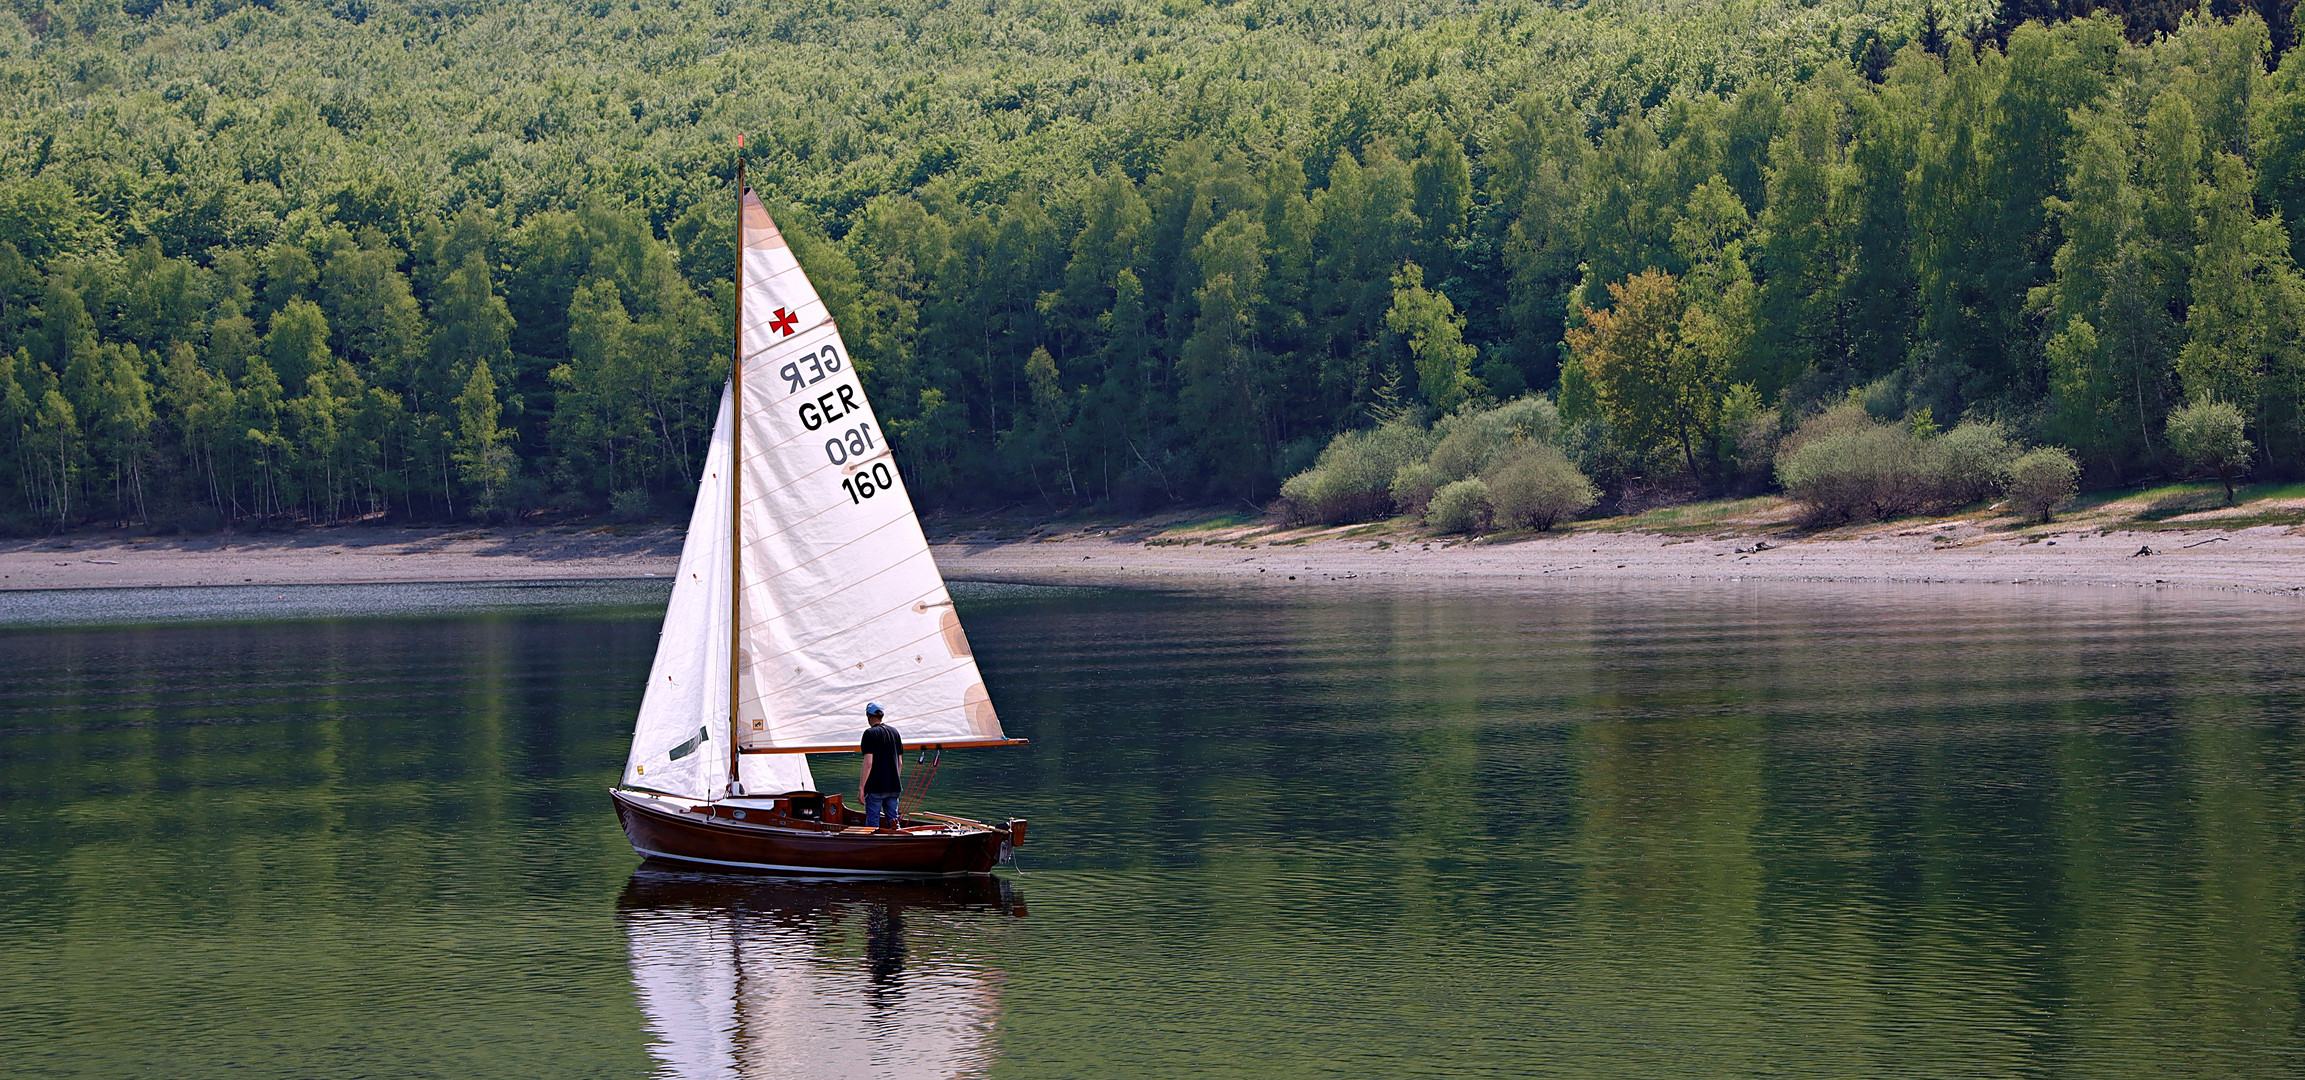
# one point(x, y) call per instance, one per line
point(885, 746)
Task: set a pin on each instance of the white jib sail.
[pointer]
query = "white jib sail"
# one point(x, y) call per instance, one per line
point(680, 742)
point(842, 603)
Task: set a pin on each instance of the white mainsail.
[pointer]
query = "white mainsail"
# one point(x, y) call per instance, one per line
point(680, 742)
point(841, 602)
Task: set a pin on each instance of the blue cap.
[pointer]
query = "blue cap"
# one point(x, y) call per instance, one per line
point(872, 708)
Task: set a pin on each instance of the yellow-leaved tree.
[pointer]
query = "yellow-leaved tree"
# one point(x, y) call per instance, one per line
point(1656, 386)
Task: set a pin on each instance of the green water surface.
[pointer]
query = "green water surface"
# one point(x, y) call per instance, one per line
point(1644, 831)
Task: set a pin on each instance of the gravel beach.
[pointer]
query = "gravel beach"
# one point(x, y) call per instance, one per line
point(2264, 559)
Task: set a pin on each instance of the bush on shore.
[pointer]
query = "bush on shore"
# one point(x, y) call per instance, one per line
point(1353, 478)
point(1468, 440)
point(1846, 466)
point(1414, 485)
point(2042, 479)
point(1533, 485)
point(1462, 507)
point(1399, 467)
point(2211, 437)
point(1972, 461)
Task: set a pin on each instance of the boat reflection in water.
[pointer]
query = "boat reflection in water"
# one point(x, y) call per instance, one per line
point(752, 977)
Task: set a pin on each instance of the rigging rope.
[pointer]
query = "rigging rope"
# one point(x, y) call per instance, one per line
point(917, 777)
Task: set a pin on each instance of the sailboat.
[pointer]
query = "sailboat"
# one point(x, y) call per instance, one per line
point(805, 590)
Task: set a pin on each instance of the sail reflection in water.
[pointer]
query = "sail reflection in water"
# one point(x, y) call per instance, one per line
point(741, 977)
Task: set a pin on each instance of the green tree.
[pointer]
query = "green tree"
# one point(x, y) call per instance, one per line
point(289, 274)
point(2281, 149)
point(1805, 240)
point(2246, 327)
point(115, 401)
point(2209, 435)
point(257, 412)
point(1724, 313)
point(1044, 439)
point(55, 451)
point(1223, 395)
point(483, 464)
point(596, 423)
point(2119, 274)
point(1430, 326)
point(43, 217)
point(200, 405)
point(67, 333)
point(377, 323)
point(1442, 183)
point(471, 324)
point(1365, 228)
point(1537, 162)
point(297, 347)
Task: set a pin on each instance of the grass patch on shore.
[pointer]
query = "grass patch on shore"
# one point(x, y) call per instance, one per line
point(2196, 504)
point(2243, 518)
point(2170, 500)
point(1699, 517)
point(1233, 520)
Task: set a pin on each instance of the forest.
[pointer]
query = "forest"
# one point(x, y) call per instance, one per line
point(268, 263)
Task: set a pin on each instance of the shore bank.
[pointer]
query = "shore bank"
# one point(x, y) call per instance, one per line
point(2259, 559)
point(342, 555)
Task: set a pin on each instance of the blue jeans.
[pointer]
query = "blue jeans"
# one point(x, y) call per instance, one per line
point(880, 806)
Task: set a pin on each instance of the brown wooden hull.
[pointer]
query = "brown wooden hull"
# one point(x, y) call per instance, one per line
point(667, 830)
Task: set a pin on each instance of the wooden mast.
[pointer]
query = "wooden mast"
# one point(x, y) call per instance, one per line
point(736, 485)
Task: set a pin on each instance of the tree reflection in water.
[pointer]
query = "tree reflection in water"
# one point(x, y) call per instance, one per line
point(750, 977)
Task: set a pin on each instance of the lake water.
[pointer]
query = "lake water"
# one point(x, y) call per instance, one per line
point(1651, 831)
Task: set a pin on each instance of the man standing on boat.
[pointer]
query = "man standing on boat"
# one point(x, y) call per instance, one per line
point(882, 784)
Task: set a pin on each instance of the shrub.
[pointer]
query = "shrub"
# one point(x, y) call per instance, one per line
point(1845, 465)
point(631, 504)
point(2043, 478)
point(1470, 439)
point(1846, 418)
point(1534, 485)
point(1603, 457)
point(1871, 470)
point(2211, 437)
point(1414, 485)
point(1972, 461)
point(1352, 479)
point(1747, 446)
point(1460, 506)
point(1302, 496)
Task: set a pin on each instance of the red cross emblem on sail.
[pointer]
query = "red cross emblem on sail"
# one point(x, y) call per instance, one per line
point(784, 322)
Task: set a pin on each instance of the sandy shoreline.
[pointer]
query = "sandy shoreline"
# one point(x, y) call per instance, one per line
point(337, 556)
point(2263, 559)
point(2258, 560)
